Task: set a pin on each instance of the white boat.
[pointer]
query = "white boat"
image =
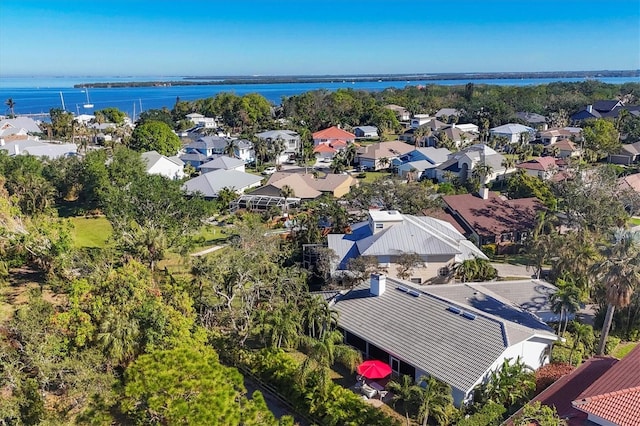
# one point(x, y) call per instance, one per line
point(88, 104)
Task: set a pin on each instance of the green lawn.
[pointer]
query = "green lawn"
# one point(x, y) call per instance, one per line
point(90, 231)
point(634, 221)
point(623, 349)
point(373, 176)
point(94, 232)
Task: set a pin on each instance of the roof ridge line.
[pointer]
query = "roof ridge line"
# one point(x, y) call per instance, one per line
point(426, 227)
point(605, 395)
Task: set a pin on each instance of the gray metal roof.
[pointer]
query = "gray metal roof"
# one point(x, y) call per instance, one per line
point(209, 184)
point(422, 332)
point(285, 135)
point(367, 128)
point(222, 162)
point(423, 235)
point(209, 142)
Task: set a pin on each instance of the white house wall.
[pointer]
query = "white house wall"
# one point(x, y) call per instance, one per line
point(171, 171)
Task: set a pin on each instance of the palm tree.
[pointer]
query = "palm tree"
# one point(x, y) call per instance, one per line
point(384, 162)
point(421, 134)
point(230, 149)
point(434, 399)
point(404, 391)
point(350, 154)
point(10, 103)
point(620, 273)
point(565, 301)
point(286, 192)
point(480, 173)
point(507, 163)
point(118, 336)
point(580, 333)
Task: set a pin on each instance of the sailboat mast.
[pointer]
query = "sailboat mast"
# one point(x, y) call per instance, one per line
point(134, 112)
point(62, 99)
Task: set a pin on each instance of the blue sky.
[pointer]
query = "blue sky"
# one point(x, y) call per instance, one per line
point(245, 37)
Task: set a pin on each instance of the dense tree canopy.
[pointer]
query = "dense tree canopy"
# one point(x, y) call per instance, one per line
point(155, 136)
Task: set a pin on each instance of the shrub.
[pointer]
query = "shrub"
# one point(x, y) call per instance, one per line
point(612, 342)
point(548, 374)
point(489, 250)
point(490, 414)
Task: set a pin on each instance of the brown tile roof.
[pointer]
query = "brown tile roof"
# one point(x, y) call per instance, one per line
point(565, 145)
point(615, 396)
point(443, 215)
point(540, 163)
point(630, 182)
point(333, 133)
point(388, 149)
point(328, 183)
point(495, 215)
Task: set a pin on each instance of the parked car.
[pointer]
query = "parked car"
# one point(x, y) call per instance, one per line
point(269, 171)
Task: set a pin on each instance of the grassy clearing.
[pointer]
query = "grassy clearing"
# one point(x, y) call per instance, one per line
point(210, 235)
point(91, 231)
point(634, 221)
point(623, 349)
point(374, 176)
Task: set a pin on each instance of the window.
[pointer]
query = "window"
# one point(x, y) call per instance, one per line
point(443, 272)
point(379, 225)
point(416, 280)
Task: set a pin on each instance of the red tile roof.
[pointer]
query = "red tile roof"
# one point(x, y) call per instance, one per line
point(565, 145)
point(333, 133)
point(495, 215)
point(338, 143)
point(323, 147)
point(561, 393)
point(615, 396)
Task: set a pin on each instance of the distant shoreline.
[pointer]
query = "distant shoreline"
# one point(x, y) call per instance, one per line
point(235, 80)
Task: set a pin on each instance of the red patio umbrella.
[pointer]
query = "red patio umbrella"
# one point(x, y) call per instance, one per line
point(374, 369)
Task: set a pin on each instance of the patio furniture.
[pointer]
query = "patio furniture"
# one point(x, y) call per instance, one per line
point(368, 391)
point(377, 386)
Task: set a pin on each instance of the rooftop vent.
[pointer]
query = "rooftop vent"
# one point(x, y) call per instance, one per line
point(469, 315)
point(413, 293)
point(455, 310)
point(402, 289)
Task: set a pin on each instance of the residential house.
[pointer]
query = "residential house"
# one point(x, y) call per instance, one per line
point(291, 140)
point(209, 184)
point(307, 186)
point(388, 234)
point(541, 167)
point(494, 219)
point(468, 127)
point(158, 164)
point(243, 149)
point(513, 132)
point(602, 391)
point(433, 123)
point(326, 152)
point(421, 160)
point(421, 119)
point(371, 156)
point(630, 182)
point(401, 112)
point(599, 109)
point(202, 121)
point(366, 132)
point(532, 119)
point(456, 135)
point(419, 333)
point(628, 154)
point(446, 114)
point(222, 163)
point(331, 135)
point(38, 148)
point(462, 163)
point(12, 129)
point(551, 136)
point(564, 149)
point(209, 146)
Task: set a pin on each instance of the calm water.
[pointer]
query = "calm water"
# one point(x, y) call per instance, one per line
point(39, 94)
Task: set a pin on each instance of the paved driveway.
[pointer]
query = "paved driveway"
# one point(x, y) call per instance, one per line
point(509, 270)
